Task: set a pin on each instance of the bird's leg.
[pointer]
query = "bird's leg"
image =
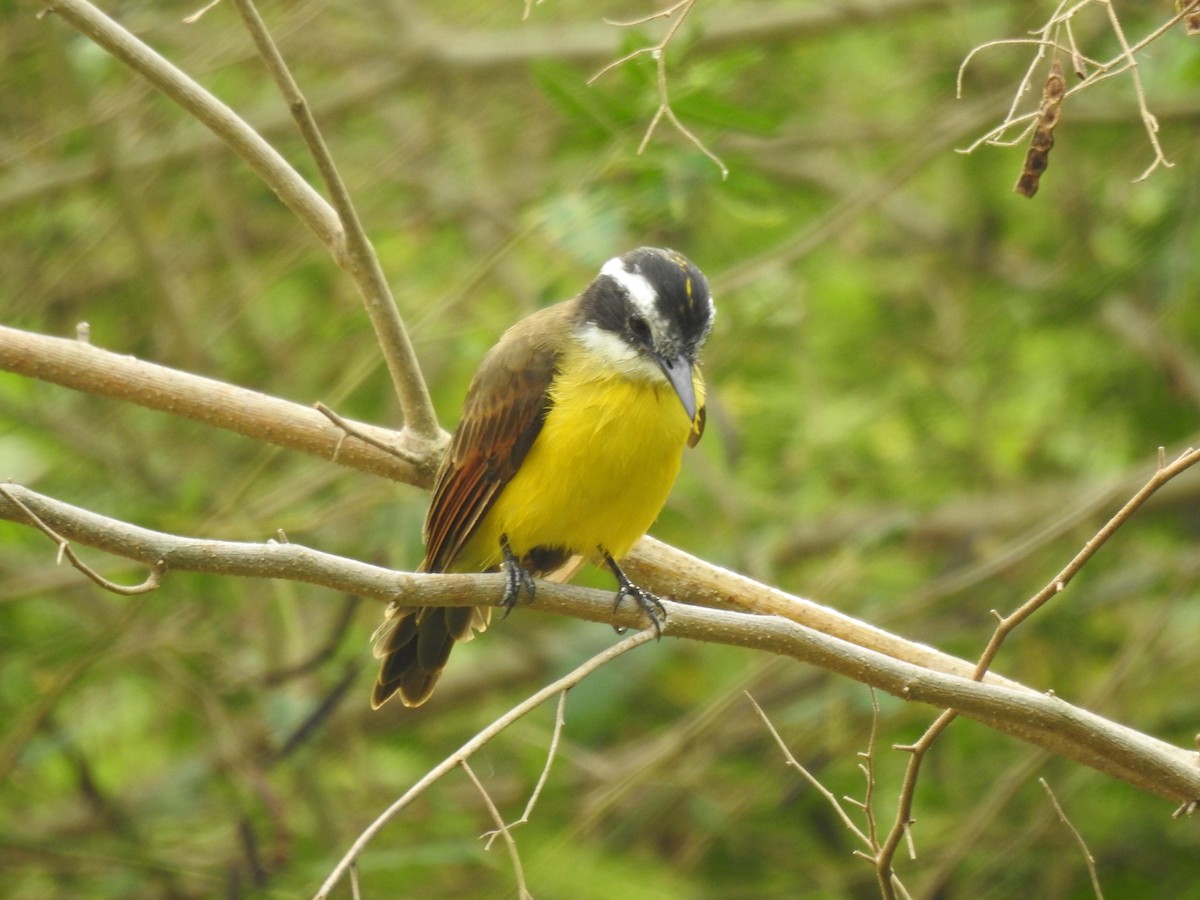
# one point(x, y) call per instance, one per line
point(518, 577)
point(649, 603)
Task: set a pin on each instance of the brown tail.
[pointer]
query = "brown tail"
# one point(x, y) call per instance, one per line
point(414, 644)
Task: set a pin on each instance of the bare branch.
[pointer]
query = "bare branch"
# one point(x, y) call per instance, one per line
point(1046, 721)
point(355, 253)
point(1056, 584)
point(658, 52)
point(322, 219)
point(84, 367)
point(296, 193)
point(1087, 854)
point(1006, 625)
point(679, 574)
point(501, 828)
point(474, 744)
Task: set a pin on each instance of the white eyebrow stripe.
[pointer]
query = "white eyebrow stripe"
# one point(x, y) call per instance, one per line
point(641, 293)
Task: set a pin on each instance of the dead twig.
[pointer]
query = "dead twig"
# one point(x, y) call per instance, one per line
point(559, 720)
point(1006, 625)
point(1087, 854)
point(658, 52)
point(470, 747)
point(501, 828)
point(868, 838)
point(152, 582)
point(1050, 38)
point(794, 763)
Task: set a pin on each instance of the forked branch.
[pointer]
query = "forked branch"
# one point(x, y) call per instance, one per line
point(1007, 624)
point(1056, 37)
point(331, 225)
point(467, 750)
point(678, 13)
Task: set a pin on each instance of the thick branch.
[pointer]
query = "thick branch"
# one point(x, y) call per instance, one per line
point(680, 574)
point(81, 366)
point(1044, 720)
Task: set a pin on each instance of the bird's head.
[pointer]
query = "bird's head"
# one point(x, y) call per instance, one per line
point(649, 312)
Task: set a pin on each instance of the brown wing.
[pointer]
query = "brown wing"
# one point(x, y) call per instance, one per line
point(505, 407)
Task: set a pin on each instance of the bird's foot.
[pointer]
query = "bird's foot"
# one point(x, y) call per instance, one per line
point(650, 604)
point(517, 577)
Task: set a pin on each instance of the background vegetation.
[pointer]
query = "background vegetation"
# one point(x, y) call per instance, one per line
point(927, 393)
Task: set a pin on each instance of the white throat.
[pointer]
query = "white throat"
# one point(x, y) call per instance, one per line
point(614, 354)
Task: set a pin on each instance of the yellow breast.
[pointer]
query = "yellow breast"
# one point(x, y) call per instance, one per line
point(599, 472)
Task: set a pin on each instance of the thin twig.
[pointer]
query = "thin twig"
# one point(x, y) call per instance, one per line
point(1148, 119)
point(354, 252)
point(1125, 61)
point(355, 430)
point(327, 222)
point(1163, 474)
point(869, 837)
point(658, 52)
point(195, 17)
point(296, 193)
point(474, 744)
point(152, 582)
point(501, 828)
point(791, 760)
point(868, 769)
point(559, 720)
point(1087, 854)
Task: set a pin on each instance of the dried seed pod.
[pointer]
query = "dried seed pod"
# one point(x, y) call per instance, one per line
point(1037, 157)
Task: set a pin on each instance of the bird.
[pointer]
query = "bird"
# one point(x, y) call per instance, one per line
point(571, 436)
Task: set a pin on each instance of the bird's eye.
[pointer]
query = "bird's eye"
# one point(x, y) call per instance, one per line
point(640, 329)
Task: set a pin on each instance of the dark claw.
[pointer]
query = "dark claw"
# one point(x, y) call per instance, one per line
point(649, 603)
point(517, 577)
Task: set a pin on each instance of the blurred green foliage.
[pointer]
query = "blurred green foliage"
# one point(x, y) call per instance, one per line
point(927, 393)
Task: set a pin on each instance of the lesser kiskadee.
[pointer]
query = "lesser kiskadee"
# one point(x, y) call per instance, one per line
point(571, 436)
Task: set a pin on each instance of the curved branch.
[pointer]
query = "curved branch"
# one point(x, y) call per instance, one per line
point(79, 365)
point(1044, 720)
point(526, 706)
point(669, 569)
